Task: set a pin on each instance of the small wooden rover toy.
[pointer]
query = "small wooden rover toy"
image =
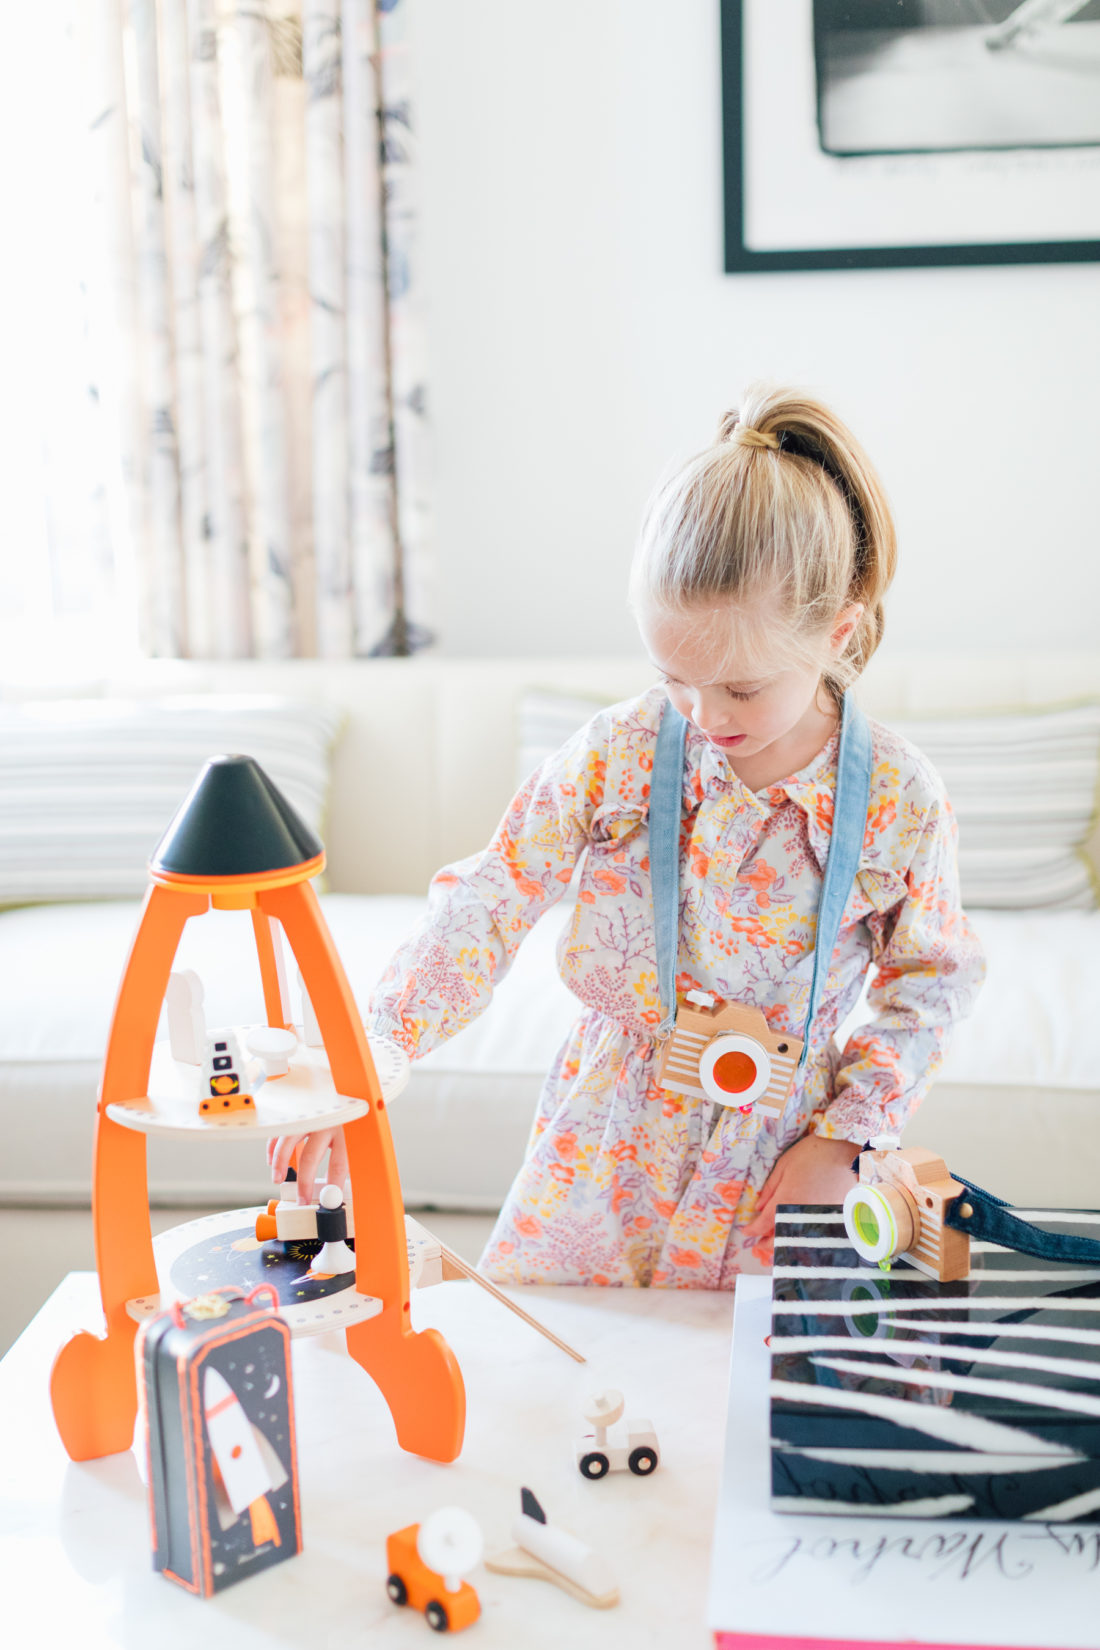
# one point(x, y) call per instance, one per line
point(427, 1562)
point(630, 1448)
point(897, 1208)
point(237, 845)
point(726, 1052)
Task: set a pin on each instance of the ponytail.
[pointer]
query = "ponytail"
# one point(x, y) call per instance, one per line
point(786, 502)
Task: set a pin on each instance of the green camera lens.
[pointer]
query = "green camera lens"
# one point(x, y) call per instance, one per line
point(866, 1224)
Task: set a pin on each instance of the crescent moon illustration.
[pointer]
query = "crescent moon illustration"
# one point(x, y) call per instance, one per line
point(273, 1388)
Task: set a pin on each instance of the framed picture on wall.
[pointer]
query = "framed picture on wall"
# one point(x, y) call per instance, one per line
point(866, 134)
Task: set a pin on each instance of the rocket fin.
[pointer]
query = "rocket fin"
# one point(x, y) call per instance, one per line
point(264, 1527)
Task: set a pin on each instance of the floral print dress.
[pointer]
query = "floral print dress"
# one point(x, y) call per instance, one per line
point(625, 1182)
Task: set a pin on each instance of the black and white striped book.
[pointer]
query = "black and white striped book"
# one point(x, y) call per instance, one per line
point(892, 1392)
point(807, 1578)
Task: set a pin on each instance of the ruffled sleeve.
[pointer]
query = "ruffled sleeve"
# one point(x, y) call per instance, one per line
point(928, 965)
point(480, 908)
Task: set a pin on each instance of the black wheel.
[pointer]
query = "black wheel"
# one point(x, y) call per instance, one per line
point(437, 1617)
point(398, 1592)
point(642, 1461)
point(595, 1466)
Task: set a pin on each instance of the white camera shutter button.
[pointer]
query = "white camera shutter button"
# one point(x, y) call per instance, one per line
point(734, 1070)
point(703, 999)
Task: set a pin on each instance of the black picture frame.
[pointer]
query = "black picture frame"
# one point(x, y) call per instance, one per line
point(741, 259)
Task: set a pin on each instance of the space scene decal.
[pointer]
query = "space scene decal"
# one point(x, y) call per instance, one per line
point(236, 1257)
point(892, 1393)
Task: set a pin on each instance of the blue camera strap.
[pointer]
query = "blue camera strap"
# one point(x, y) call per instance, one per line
point(981, 1215)
point(994, 1220)
point(853, 790)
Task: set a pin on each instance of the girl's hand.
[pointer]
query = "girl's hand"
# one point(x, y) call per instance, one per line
point(813, 1170)
point(311, 1149)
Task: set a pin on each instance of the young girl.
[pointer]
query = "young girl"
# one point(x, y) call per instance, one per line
point(758, 587)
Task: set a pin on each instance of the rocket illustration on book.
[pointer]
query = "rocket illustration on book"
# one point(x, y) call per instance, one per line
point(245, 1463)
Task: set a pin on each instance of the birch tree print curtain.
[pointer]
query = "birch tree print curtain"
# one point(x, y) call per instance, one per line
point(253, 163)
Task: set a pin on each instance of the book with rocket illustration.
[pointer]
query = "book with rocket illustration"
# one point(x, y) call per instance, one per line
point(219, 1423)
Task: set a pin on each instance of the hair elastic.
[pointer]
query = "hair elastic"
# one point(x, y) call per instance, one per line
point(745, 436)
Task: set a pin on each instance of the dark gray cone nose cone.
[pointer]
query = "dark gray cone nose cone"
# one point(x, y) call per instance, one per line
point(234, 822)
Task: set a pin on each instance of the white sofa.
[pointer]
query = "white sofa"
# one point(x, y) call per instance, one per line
point(421, 772)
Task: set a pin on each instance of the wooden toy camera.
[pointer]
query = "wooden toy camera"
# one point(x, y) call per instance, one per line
point(897, 1208)
point(725, 1052)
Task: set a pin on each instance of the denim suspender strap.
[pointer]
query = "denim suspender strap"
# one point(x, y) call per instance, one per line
point(853, 795)
point(853, 788)
point(665, 807)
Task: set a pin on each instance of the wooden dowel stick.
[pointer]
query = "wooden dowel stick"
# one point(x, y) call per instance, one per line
point(471, 1272)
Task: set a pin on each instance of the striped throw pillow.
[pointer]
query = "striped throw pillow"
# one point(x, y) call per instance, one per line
point(546, 720)
point(1024, 789)
point(88, 787)
point(1023, 786)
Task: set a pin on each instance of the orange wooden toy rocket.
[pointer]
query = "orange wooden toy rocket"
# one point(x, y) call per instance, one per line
point(236, 844)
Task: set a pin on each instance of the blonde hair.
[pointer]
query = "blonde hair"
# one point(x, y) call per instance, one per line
point(784, 507)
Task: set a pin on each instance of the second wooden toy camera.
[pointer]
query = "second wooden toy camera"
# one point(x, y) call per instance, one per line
point(897, 1209)
point(726, 1052)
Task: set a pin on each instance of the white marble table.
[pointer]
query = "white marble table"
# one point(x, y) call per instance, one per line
point(74, 1541)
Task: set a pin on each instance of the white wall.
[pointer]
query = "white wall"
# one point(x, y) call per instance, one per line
point(583, 335)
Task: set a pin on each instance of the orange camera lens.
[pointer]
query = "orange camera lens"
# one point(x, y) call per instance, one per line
point(734, 1072)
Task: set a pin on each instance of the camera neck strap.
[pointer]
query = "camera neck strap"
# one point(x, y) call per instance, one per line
point(993, 1220)
point(853, 789)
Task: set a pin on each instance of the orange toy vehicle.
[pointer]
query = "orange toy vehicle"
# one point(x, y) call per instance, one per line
point(451, 1539)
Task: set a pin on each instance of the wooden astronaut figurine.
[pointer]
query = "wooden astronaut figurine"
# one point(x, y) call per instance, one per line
point(224, 1085)
point(608, 1448)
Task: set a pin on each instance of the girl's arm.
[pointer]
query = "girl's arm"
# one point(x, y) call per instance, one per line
point(928, 965)
point(479, 910)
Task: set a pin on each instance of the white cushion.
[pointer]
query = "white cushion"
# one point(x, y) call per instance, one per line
point(459, 1129)
point(1035, 1023)
point(88, 786)
point(80, 950)
point(461, 1125)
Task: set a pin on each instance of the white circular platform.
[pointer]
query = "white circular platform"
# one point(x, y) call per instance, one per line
point(302, 1100)
point(334, 1311)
